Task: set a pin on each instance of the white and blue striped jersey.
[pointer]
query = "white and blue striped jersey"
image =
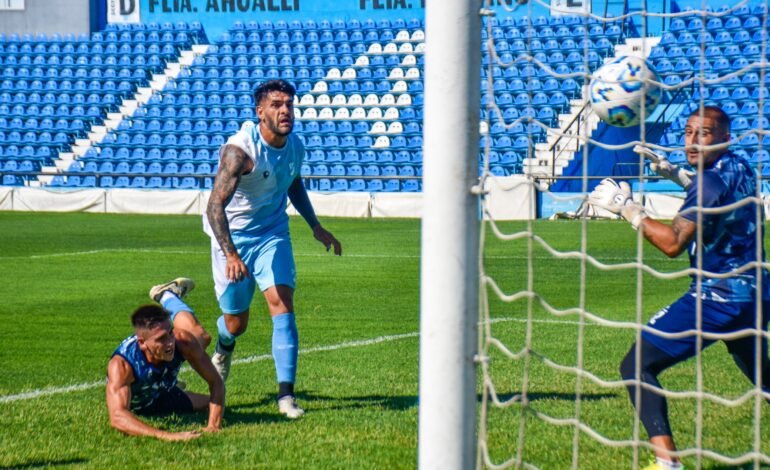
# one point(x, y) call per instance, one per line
point(258, 206)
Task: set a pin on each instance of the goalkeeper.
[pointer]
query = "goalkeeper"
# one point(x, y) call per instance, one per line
point(728, 245)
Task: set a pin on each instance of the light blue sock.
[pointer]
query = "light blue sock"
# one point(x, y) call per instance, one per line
point(226, 339)
point(285, 347)
point(173, 304)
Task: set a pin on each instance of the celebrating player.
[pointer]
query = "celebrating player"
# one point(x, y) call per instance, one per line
point(259, 167)
point(142, 374)
point(728, 251)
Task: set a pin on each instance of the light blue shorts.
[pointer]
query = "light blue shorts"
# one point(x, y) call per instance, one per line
point(269, 259)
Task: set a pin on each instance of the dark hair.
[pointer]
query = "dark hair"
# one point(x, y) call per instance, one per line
point(716, 113)
point(273, 85)
point(148, 317)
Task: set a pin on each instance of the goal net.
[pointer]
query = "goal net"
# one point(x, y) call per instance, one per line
point(562, 301)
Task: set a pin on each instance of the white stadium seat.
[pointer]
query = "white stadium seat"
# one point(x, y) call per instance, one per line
point(320, 87)
point(355, 100)
point(323, 100)
point(409, 60)
point(402, 36)
point(396, 73)
point(333, 74)
point(418, 35)
point(349, 74)
point(404, 100)
point(371, 100)
point(342, 114)
point(326, 114)
point(390, 48)
point(310, 113)
point(378, 128)
point(406, 48)
point(399, 87)
point(374, 114)
point(339, 100)
point(362, 61)
point(419, 48)
point(395, 128)
point(307, 100)
point(382, 142)
point(391, 114)
point(358, 114)
point(375, 48)
point(387, 100)
point(412, 73)
point(483, 127)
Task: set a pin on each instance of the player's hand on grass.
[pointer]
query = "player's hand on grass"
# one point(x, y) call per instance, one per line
point(328, 240)
point(660, 165)
point(211, 429)
point(618, 199)
point(181, 436)
point(236, 269)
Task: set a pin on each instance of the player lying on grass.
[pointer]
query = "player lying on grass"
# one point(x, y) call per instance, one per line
point(142, 374)
point(727, 291)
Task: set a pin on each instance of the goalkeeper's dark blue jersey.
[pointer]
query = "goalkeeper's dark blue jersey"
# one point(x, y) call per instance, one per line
point(150, 381)
point(729, 237)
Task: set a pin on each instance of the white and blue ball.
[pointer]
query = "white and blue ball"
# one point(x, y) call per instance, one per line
point(620, 89)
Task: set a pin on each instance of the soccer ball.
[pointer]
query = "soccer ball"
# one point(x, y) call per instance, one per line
point(618, 92)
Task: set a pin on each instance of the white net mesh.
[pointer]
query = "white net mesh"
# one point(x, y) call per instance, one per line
point(562, 301)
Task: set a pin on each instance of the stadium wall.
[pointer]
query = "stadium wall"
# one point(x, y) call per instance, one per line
point(49, 16)
point(509, 198)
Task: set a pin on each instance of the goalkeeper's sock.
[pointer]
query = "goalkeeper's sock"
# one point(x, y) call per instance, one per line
point(226, 340)
point(173, 304)
point(285, 347)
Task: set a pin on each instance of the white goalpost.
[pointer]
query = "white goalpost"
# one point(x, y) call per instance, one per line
point(450, 230)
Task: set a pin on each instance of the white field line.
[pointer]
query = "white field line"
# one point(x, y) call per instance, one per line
point(263, 357)
point(299, 255)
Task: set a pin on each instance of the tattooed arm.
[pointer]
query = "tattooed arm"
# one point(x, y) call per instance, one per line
point(672, 239)
point(232, 164)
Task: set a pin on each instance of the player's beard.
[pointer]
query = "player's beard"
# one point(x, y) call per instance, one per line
point(274, 126)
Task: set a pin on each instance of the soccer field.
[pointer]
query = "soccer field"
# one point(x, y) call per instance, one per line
point(70, 282)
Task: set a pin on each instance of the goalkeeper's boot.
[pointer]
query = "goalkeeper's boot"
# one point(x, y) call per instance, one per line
point(657, 465)
point(222, 360)
point(180, 286)
point(287, 406)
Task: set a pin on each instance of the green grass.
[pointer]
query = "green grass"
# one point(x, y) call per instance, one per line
point(68, 283)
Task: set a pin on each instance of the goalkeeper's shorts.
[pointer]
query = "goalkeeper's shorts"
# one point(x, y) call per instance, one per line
point(717, 317)
point(269, 259)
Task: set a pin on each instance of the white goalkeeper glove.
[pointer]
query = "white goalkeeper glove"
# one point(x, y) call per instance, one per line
point(660, 165)
point(618, 199)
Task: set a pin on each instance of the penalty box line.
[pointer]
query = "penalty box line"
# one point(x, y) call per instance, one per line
point(262, 357)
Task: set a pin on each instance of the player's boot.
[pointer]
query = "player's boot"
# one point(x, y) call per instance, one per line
point(222, 360)
point(287, 406)
point(180, 286)
point(655, 465)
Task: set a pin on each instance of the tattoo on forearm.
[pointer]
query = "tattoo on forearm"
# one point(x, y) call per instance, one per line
point(227, 179)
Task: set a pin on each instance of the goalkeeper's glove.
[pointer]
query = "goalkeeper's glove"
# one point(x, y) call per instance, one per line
point(660, 165)
point(618, 199)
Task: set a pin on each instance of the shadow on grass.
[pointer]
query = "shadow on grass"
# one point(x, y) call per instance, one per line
point(46, 463)
point(323, 402)
point(557, 396)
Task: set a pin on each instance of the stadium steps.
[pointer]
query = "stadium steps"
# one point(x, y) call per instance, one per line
point(127, 107)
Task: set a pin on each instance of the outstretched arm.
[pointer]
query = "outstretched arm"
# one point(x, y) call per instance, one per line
point(299, 198)
point(193, 352)
point(119, 380)
point(672, 239)
point(232, 164)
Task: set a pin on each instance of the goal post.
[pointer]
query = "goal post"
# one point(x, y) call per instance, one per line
point(450, 236)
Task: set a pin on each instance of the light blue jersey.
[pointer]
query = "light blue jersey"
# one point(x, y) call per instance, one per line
point(258, 206)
